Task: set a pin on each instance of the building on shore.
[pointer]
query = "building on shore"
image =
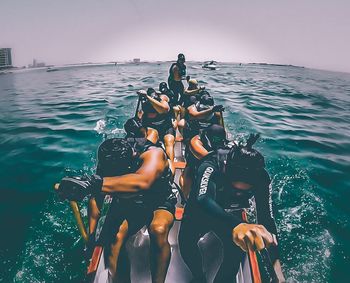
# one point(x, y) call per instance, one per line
point(136, 60)
point(36, 64)
point(5, 58)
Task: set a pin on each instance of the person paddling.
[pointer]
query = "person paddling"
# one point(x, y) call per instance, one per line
point(225, 181)
point(174, 100)
point(191, 92)
point(156, 114)
point(199, 146)
point(140, 181)
point(200, 115)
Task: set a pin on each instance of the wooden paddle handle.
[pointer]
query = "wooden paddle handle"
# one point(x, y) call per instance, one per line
point(253, 260)
point(77, 215)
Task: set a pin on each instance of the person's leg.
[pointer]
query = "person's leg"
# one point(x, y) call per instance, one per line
point(176, 110)
point(233, 256)
point(93, 215)
point(94, 208)
point(115, 249)
point(169, 142)
point(181, 124)
point(123, 267)
point(189, 236)
point(160, 248)
point(152, 135)
point(187, 181)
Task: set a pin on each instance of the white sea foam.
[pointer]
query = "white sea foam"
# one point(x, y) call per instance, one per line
point(100, 126)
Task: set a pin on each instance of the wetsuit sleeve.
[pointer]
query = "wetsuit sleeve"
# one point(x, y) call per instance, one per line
point(206, 190)
point(265, 214)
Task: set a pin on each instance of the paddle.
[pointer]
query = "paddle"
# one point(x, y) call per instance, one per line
point(137, 107)
point(252, 258)
point(78, 218)
point(265, 260)
point(222, 119)
point(268, 266)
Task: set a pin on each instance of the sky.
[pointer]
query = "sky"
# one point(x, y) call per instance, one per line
point(310, 33)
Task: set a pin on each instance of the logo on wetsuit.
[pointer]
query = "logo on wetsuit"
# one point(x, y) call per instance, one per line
point(205, 180)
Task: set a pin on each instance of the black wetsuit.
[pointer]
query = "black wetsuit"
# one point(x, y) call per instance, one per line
point(189, 100)
point(177, 86)
point(215, 206)
point(161, 122)
point(193, 99)
point(174, 99)
point(191, 161)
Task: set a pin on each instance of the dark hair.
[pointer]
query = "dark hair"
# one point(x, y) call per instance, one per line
point(202, 93)
point(133, 127)
point(206, 99)
point(213, 137)
point(150, 91)
point(153, 94)
point(245, 163)
point(114, 157)
point(163, 86)
point(181, 57)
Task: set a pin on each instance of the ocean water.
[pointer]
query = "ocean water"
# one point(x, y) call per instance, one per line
point(52, 123)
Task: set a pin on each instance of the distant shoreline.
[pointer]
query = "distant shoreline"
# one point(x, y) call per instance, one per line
point(116, 63)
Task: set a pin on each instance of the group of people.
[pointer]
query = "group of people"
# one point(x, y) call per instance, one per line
point(138, 172)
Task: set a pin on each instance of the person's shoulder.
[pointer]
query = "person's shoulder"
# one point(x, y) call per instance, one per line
point(153, 150)
point(164, 97)
point(263, 181)
point(191, 107)
point(208, 161)
point(265, 177)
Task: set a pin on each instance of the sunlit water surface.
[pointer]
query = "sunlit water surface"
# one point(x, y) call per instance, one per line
point(52, 122)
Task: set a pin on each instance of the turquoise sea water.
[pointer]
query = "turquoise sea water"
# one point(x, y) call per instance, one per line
point(51, 123)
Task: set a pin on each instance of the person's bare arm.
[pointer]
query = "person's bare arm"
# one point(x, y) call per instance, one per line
point(160, 106)
point(195, 114)
point(191, 92)
point(154, 163)
point(197, 148)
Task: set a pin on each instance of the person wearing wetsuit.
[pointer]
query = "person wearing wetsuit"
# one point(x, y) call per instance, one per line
point(225, 181)
point(199, 146)
point(156, 114)
point(201, 115)
point(134, 129)
point(177, 73)
point(174, 100)
point(140, 181)
point(191, 92)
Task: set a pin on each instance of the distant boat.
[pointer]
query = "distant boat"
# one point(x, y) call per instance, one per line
point(210, 65)
point(50, 69)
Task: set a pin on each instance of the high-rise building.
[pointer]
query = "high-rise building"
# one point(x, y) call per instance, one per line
point(5, 57)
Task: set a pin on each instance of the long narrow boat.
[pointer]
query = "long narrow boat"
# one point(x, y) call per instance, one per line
point(138, 246)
